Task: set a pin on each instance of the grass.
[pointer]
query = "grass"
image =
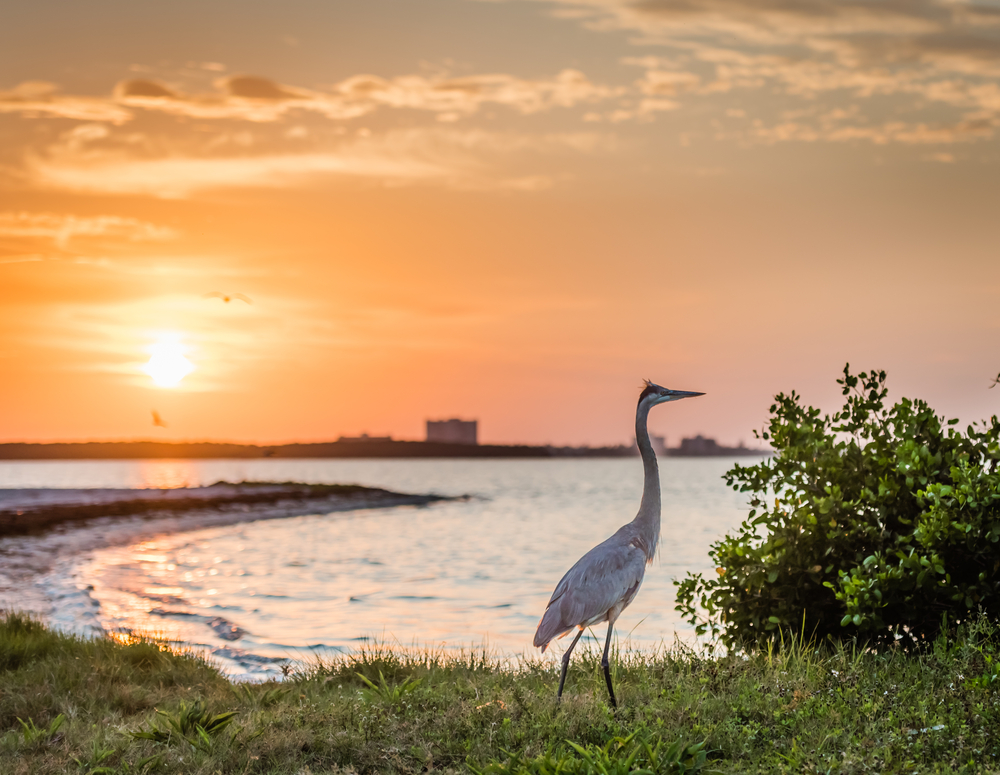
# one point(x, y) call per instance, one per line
point(95, 707)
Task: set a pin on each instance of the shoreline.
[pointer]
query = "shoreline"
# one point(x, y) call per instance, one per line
point(352, 449)
point(34, 510)
point(29, 556)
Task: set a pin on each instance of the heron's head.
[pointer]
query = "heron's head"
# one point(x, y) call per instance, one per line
point(653, 394)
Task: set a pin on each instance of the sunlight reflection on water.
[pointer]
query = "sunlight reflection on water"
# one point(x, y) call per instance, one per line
point(453, 574)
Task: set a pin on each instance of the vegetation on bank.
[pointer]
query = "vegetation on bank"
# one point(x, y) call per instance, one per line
point(878, 523)
point(99, 707)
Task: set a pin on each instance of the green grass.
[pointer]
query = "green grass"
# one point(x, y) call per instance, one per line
point(138, 708)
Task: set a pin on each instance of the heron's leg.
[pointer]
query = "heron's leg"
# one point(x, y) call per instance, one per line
point(606, 664)
point(565, 663)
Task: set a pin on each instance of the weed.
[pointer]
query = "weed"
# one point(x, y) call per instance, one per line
point(258, 698)
point(391, 695)
point(194, 724)
point(633, 755)
point(98, 754)
point(141, 767)
point(34, 734)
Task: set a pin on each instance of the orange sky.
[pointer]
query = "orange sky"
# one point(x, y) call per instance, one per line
point(510, 211)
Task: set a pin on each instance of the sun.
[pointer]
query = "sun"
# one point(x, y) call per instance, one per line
point(167, 364)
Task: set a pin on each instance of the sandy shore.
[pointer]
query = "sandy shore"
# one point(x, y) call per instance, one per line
point(41, 530)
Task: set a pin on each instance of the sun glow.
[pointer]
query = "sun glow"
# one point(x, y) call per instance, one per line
point(167, 364)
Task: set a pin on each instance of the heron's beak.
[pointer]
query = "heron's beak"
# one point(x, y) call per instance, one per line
point(677, 395)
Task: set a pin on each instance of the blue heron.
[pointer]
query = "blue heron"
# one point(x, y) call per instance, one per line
point(606, 579)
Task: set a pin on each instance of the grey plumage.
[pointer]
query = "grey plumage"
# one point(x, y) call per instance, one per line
point(606, 579)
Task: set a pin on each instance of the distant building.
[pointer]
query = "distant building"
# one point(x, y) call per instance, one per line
point(453, 431)
point(659, 444)
point(363, 437)
point(699, 445)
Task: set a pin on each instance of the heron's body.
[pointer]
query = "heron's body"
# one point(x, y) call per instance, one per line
point(606, 579)
point(597, 588)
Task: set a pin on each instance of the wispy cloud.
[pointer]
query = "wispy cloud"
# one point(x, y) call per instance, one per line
point(763, 22)
point(931, 53)
point(254, 98)
point(178, 177)
point(882, 134)
point(453, 97)
point(915, 71)
point(60, 229)
point(438, 155)
point(41, 99)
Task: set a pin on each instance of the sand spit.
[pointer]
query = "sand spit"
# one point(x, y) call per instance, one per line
point(32, 511)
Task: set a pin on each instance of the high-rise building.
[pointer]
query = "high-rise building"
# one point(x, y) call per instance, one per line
point(453, 431)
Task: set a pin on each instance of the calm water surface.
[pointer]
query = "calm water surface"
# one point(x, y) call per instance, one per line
point(454, 574)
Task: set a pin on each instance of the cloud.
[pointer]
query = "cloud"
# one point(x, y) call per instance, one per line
point(926, 51)
point(946, 36)
point(936, 61)
point(140, 89)
point(41, 99)
point(432, 155)
point(179, 177)
point(23, 259)
point(254, 98)
point(466, 95)
point(761, 22)
point(238, 97)
point(829, 130)
point(253, 88)
point(63, 228)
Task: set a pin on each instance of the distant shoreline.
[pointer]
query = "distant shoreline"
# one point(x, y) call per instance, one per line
point(132, 450)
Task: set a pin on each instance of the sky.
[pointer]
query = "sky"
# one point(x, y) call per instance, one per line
point(507, 210)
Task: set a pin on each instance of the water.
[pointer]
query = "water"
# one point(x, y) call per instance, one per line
point(451, 575)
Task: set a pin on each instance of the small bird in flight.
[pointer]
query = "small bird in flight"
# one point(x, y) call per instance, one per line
point(228, 297)
point(157, 420)
point(995, 382)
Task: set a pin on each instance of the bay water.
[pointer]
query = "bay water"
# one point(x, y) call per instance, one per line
point(453, 575)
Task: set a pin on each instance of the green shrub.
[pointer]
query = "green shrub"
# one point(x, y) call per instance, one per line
point(877, 522)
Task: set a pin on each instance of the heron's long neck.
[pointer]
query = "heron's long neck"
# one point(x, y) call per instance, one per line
point(648, 518)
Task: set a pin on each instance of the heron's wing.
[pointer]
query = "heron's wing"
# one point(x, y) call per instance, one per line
point(242, 297)
point(608, 574)
point(213, 295)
